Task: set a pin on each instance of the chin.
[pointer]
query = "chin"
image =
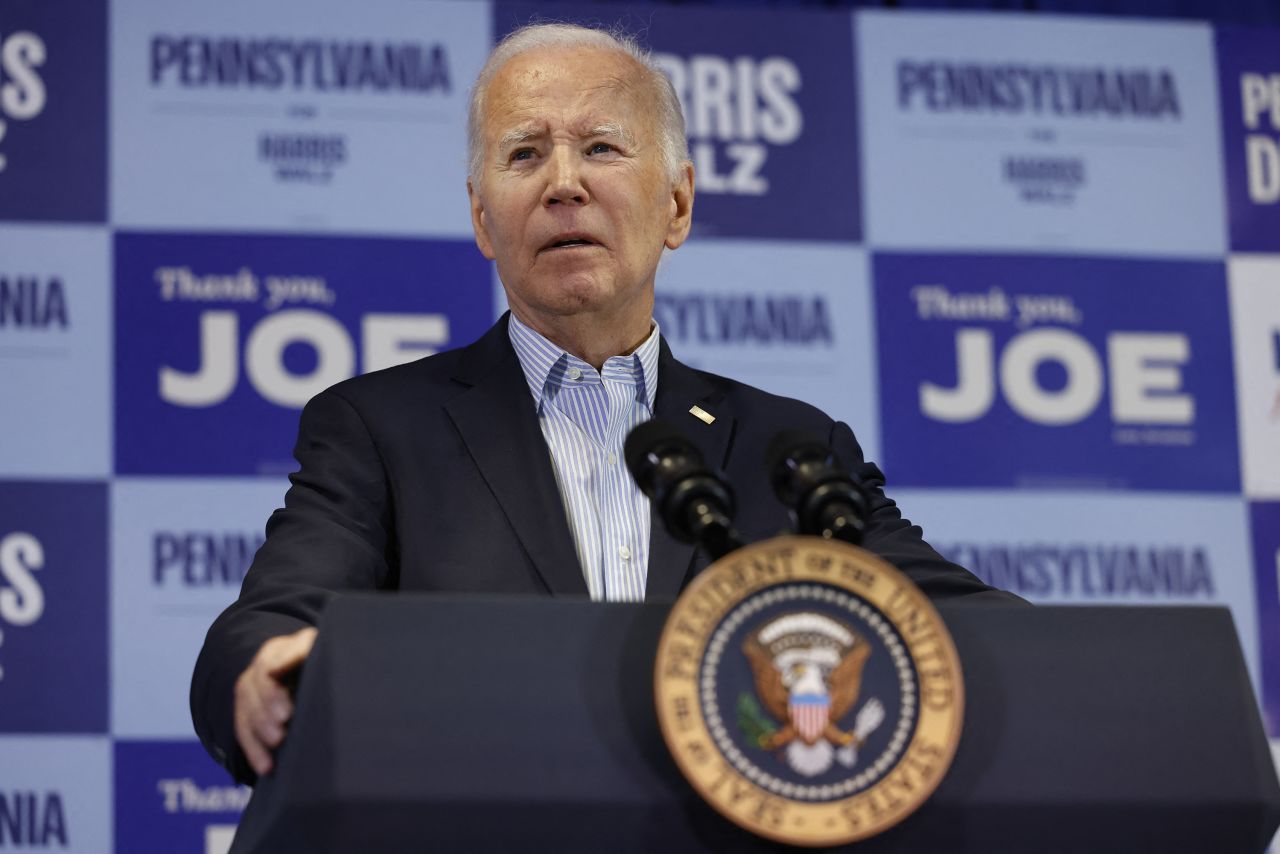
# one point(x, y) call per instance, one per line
point(575, 294)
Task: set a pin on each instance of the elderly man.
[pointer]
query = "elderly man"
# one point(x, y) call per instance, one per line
point(496, 468)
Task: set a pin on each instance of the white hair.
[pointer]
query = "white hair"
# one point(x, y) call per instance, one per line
point(671, 136)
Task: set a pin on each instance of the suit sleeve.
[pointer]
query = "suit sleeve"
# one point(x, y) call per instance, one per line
point(333, 534)
point(901, 543)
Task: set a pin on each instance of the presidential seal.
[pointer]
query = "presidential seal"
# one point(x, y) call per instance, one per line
point(809, 691)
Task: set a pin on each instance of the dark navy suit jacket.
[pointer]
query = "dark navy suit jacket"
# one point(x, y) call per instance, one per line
point(434, 476)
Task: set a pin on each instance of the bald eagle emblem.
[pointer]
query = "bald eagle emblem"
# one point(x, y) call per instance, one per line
point(808, 674)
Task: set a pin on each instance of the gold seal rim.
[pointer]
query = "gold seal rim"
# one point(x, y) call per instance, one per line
point(752, 570)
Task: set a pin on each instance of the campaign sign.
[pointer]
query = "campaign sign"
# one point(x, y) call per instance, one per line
point(53, 609)
point(996, 131)
point(1249, 74)
point(317, 115)
point(221, 339)
point(1265, 518)
point(55, 351)
point(1255, 327)
point(171, 798)
point(53, 110)
point(769, 107)
point(1055, 372)
point(790, 318)
point(55, 794)
point(179, 551)
point(1063, 548)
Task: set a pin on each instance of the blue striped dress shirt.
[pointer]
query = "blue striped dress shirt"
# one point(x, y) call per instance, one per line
point(585, 417)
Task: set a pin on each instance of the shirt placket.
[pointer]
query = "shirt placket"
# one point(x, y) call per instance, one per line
point(623, 553)
point(584, 403)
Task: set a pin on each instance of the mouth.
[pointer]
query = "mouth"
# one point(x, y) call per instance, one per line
point(569, 241)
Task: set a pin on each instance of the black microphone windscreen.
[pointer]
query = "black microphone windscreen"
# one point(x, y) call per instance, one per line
point(647, 437)
point(793, 443)
point(796, 447)
point(695, 504)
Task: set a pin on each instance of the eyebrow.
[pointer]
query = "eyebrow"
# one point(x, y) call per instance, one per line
point(605, 129)
point(613, 129)
point(514, 137)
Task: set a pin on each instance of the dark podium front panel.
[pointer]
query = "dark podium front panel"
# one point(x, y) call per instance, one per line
point(429, 723)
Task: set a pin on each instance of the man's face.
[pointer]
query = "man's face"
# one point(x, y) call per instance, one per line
point(572, 200)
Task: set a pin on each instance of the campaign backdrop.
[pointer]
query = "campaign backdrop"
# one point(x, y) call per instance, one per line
point(234, 333)
point(1255, 324)
point(1122, 366)
point(53, 111)
point(1265, 518)
point(56, 793)
point(1068, 134)
point(55, 350)
point(1034, 261)
point(303, 117)
point(1249, 81)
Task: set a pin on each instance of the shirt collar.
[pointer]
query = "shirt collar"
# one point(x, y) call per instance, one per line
point(546, 365)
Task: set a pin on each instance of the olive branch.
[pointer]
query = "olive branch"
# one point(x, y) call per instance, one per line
point(753, 722)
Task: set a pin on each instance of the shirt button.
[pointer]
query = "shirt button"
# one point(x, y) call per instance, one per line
point(612, 459)
point(624, 553)
point(575, 374)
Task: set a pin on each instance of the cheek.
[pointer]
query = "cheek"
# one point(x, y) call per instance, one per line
point(507, 237)
point(505, 214)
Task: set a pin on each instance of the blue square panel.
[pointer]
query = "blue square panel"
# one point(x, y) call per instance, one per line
point(53, 607)
point(221, 339)
point(1055, 372)
point(53, 110)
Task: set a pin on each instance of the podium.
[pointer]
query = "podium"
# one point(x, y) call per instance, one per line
point(449, 723)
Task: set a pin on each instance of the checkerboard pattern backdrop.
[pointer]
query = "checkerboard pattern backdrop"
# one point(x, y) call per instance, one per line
point(1033, 260)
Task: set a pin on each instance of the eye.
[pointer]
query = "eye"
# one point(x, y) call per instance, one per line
point(600, 148)
point(522, 154)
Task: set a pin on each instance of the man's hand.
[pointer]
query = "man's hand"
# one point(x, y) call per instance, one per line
point(263, 704)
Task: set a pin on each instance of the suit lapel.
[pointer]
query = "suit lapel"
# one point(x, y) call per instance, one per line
point(498, 423)
point(679, 389)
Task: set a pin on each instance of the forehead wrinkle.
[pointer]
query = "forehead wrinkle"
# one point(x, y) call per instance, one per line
point(612, 90)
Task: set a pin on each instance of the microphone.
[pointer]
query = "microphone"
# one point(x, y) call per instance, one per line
point(824, 498)
point(695, 504)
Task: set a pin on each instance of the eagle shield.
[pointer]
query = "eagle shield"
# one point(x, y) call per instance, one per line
point(810, 714)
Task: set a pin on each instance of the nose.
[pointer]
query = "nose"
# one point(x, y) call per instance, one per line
point(564, 179)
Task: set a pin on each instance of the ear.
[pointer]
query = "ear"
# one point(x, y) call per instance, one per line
point(681, 208)
point(477, 222)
